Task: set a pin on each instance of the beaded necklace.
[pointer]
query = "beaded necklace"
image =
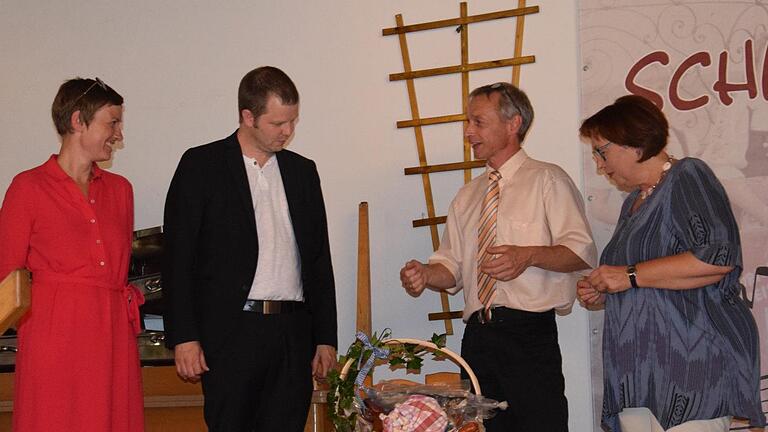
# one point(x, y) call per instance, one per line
point(644, 194)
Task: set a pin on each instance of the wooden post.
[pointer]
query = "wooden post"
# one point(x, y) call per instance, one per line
point(518, 43)
point(465, 91)
point(363, 271)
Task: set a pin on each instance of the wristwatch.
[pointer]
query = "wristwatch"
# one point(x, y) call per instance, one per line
point(632, 274)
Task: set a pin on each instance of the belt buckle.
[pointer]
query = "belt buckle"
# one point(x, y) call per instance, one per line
point(481, 318)
point(486, 316)
point(271, 307)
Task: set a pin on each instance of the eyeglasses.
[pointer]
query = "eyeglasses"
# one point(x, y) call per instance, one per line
point(600, 151)
point(96, 82)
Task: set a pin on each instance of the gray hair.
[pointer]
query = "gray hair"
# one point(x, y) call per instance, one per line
point(512, 102)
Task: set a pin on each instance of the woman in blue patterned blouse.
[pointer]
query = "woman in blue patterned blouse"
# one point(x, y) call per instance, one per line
point(680, 347)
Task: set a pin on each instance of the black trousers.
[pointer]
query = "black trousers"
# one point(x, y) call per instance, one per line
point(516, 358)
point(262, 379)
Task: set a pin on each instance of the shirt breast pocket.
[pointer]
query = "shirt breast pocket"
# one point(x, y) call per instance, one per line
point(522, 233)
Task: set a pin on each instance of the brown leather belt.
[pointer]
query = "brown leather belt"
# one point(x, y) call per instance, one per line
point(271, 307)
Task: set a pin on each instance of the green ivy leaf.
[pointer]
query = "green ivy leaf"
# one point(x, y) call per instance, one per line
point(395, 361)
point(439, 339)
point(414, 364)
point(355, 351)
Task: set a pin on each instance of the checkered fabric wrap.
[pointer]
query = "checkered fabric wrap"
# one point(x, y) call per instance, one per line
point(418, 413)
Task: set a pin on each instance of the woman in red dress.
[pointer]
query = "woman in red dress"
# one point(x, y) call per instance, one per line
point(70, 222)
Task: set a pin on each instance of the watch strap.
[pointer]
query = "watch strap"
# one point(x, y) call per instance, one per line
point(632, 275)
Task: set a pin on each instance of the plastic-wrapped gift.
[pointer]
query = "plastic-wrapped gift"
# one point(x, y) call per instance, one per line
point(464, 410)
point(417, 413)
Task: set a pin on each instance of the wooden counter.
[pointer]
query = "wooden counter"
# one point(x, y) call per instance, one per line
point(170, 404)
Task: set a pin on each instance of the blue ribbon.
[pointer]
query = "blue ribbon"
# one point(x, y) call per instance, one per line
point(376, 352)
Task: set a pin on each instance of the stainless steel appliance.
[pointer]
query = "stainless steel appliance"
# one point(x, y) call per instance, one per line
point(145, 269)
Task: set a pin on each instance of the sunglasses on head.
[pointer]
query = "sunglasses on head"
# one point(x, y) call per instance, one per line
point(96, 82)
point(505, 90)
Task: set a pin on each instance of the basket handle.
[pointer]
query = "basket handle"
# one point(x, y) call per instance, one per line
point(455, 358)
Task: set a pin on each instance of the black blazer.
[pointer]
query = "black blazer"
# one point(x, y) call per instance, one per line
point(211, 244)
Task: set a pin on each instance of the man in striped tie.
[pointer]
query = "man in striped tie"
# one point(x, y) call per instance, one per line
point(513, 237)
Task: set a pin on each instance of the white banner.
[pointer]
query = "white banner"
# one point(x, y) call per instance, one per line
point(706, 64)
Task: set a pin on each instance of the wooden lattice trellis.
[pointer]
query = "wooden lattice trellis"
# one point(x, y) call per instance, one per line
point(416, 122)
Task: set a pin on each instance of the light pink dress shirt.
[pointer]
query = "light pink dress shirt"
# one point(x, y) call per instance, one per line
point(539, 206)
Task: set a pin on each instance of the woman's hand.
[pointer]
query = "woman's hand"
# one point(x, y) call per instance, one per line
point(588, 296)
point(609, 279)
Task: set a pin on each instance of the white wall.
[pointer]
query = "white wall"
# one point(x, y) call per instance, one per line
point(178, 63)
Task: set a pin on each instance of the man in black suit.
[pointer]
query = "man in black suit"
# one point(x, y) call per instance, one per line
point(248, 280)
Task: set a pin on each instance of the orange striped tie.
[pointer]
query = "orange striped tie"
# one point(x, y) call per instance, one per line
point(487, 237)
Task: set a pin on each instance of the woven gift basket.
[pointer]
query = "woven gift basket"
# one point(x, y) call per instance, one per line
point(363, 355)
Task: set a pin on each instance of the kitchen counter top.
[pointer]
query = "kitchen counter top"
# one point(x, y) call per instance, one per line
point(152, 351)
